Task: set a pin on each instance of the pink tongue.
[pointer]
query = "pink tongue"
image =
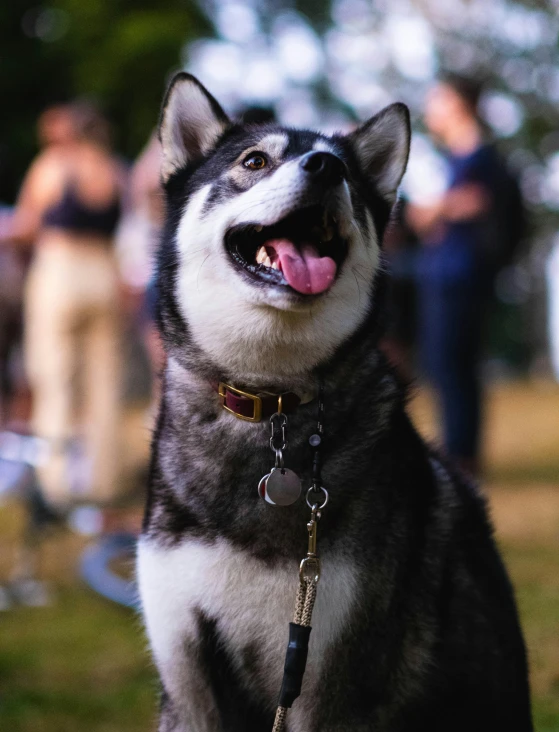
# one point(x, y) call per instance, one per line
point(304, 270)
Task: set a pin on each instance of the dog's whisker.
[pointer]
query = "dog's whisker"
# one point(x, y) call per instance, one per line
point(200, 270)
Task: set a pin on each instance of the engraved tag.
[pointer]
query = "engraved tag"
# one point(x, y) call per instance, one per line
point(281, 487)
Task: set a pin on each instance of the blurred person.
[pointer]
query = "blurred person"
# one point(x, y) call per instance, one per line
point(257, 116)
point(68, 209)
point(464, 236)
point(137, 239)
point(400, 249)
point(54, 128)
point(552, 277)
point(11, 328)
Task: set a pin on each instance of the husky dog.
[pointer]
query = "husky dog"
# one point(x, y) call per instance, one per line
point(270, 281)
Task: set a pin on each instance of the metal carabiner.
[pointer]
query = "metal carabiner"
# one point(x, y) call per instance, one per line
point(275, 432)
point(311, 526)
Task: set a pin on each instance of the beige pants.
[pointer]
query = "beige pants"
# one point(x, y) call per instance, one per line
point(72, 359)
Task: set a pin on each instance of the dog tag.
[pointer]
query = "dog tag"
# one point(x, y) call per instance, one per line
point(281, 487)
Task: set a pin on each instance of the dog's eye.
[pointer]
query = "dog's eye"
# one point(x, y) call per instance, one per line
point(255, 162)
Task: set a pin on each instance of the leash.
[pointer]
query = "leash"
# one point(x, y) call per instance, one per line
point(300, 628)
point(283, 487)
point(309, 576)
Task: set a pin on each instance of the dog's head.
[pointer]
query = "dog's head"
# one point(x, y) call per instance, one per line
point(274, 233)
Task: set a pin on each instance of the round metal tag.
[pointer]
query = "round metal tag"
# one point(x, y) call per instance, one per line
point(281, 487)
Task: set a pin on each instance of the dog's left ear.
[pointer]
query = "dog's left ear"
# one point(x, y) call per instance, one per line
point(191, 123)
point(382, 147)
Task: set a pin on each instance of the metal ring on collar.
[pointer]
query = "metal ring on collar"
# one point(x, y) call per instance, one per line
point(326, 497)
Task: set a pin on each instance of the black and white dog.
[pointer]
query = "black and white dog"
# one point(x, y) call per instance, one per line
point(270, 281)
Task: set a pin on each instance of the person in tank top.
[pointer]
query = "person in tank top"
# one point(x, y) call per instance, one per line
point(68, 210)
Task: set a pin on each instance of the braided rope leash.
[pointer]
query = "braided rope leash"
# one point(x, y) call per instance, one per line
point(300, 628)
point(280, 720)
point(309, 575)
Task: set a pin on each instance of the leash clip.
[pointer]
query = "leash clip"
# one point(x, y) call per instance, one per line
point(312, 527)
point(309, 571)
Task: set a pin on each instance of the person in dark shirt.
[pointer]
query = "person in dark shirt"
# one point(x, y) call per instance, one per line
point(67, 211)
point(453, 274)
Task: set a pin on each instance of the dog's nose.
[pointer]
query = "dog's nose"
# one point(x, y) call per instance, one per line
point(323, 167)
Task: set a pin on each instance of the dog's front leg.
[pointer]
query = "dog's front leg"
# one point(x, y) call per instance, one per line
point(194, 712)
point(168, 717)
point(176, 633)
point(187, 703)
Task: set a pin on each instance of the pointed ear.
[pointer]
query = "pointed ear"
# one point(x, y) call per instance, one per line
point(382, 147)
point(191, 123)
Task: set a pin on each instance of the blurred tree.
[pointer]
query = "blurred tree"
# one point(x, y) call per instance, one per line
point(117, 52)
point(327, 64)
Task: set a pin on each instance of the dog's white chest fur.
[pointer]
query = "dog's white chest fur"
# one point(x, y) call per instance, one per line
point(252, 605)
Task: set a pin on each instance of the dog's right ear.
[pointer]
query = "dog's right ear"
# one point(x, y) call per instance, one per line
point(191, 123)
point(382, 146)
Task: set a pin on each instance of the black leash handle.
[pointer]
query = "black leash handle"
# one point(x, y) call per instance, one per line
point(295, 664)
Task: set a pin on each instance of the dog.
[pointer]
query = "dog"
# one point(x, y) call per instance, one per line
point(270, 282)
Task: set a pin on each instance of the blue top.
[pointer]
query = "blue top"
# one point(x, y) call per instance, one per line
point(72, 214)
point(458, 256)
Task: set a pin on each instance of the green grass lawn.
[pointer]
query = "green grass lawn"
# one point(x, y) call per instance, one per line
point(81, 664)
point(535, 574)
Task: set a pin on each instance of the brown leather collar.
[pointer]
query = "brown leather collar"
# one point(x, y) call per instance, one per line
point(255, 407)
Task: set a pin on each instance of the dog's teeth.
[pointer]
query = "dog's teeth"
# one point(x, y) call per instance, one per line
point(328, 234)
point(267, 262)
point(258, 228)
point(262, 255)
point(274, 265)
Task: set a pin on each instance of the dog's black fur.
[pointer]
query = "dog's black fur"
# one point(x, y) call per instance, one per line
point(433, 641)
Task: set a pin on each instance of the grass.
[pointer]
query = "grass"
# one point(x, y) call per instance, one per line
point(534, 571)
point(82, 663)
point(79, 664)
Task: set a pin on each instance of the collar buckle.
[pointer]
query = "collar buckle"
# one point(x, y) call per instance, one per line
point(256, 400)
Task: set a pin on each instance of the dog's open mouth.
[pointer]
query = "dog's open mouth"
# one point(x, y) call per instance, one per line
point(303, 251)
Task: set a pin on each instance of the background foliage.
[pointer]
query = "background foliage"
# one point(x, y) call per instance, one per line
point(321, 63)
point(115, 51)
